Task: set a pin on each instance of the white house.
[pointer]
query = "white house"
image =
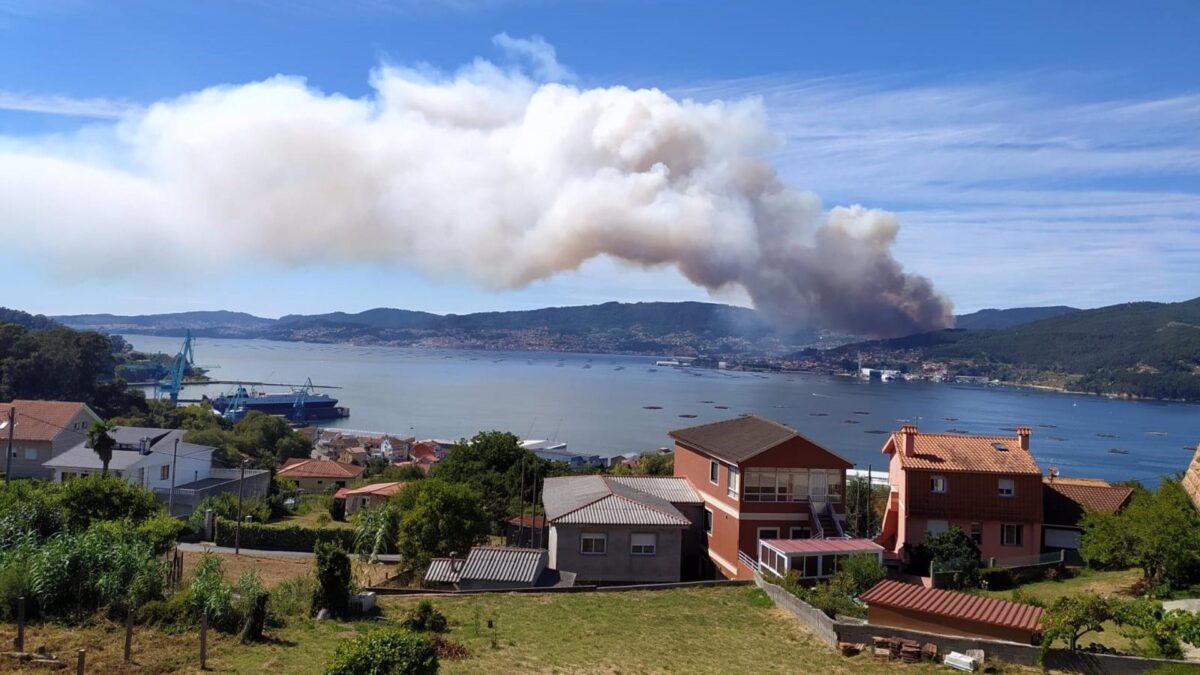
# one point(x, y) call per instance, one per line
point(149, 457)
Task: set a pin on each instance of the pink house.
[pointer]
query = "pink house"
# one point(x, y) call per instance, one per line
point(990, 486)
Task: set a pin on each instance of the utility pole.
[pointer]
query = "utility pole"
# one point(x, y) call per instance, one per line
point(171, 497)
point(12, 423)
point(237, 532)
point(521, 518)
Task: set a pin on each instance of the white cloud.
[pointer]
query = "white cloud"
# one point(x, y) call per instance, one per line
point(66, 105)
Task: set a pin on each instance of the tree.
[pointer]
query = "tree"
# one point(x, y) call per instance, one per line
point(860, 573)
point(333, 579)
point(1159, 532)
point(437, 519)
point(655, 464)
point(493, 463)
point(952, 550)
point(1072, 616)
point(100, 439)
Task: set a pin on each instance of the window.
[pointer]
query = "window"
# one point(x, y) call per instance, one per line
point(977, 533)
point(164, 472)
point(779, 485)
point(937, 485)
point(31, 453)
point(593, 543)
point(936, 526)
point(734, 481)
point(810, 565)
point(713, 468)
point(833, 482)
point(1007, 489)
point(643, 543)
point(1010, 535)
point(800, 533)
point(708, 517)
point(768, 533)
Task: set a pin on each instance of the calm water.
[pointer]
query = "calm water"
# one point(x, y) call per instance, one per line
point(596, 403)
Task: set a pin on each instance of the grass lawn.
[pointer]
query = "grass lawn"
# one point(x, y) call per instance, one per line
point(275, 569)
point(311, 519)
point(702, 630)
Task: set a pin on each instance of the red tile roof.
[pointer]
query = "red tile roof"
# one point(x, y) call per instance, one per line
point(528, 521)
point(823, 545)
point(41, 420)
point(1065, 500)
point(963, 452)
point(319, 468)
point(377, 489)
point(954, 605)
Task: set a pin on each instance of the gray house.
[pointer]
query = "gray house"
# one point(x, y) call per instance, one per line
point(42, 430)
point(622, 529)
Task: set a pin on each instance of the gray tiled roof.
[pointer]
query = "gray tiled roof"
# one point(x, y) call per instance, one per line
point(443, 570)
point(670, 488)
point(735, 440)
point(83, 457)
point(502, 563)
point(600, 500)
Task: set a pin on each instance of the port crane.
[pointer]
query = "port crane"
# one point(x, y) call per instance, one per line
point(170, 384)
point(302, 395)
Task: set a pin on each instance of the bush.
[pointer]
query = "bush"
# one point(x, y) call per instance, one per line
point(92, 498)
point(282, 537)
point(160, 532)
point(333, 580)
point(385, 652)
point(337, 509)
point(860, 573)
point(425, 619)
point(224, 506)
point(170, 614)
point(996, 579)
point(250, 600)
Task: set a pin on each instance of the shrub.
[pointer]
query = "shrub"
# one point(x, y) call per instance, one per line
point(106, 566)
point(860, 573)
point(160, 532)
point(337, 509)
point(92, 498)
point(385, 652)
point(250, 604)
point(333, 579)
point(282, 537)
point(171, 613)
point(224, 506)
point(425, 619)
point(210, 595)
point(996, 579)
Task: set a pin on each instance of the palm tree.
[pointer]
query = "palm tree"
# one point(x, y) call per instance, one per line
point(99, 439)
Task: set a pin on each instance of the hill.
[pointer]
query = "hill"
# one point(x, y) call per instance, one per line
point(643, 327)
point(30, 321)
point(1143, 349)
point(995, 319)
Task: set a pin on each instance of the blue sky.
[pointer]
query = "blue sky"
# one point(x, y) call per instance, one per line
point(1034, 153)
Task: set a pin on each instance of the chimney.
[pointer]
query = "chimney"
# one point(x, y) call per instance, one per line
point(909, 432)
point(1023, 433)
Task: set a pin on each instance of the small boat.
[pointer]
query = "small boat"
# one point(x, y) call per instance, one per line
point(861, 412)
point(851, 422)
point(688, 416)
point(819, 414)
point(876, 431)
point(1118, 451)
point(708, 402)
point(652, 407)
point(652, 370)
point(1157, 433)
point(721, 407)
point(1105, 435)
point(950, 419)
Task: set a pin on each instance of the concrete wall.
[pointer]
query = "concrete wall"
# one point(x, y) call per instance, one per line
point(617, 564)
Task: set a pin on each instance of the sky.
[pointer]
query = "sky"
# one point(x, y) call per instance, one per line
point(1033, 153)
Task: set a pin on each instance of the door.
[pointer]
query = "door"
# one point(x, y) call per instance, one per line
point(817, 486)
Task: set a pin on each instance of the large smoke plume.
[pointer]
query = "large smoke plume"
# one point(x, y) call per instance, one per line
point(486, 173)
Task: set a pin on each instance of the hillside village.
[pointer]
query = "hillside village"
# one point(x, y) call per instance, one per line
point(966, 552)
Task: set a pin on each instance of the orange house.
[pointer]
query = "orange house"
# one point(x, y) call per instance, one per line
point(990, 486)
point(759, 480)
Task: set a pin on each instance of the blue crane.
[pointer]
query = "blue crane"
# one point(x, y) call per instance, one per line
point(233, 409)
point(302, 395)
point(173, 381)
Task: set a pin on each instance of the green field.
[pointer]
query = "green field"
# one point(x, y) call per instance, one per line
point(702, 630)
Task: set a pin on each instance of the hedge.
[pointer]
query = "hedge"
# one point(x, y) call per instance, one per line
point(281, 537)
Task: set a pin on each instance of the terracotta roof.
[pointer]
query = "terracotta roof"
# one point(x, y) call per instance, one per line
point(340, 494)
point(423, 449)
point(1065, 500)
point(1191, 479)
point(42, 420)
point(954, 605)
point(964, 452)
point(823, 545)
point(528, 521)
point(378, 489)
point(737, 440)
point(319, 468)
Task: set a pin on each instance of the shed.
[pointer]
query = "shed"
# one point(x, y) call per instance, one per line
point(900, 605)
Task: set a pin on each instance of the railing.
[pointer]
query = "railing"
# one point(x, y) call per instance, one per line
point(746, 560)
point(1053, 558)
point(814, 518)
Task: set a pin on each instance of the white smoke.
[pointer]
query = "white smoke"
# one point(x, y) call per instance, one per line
point(485, 173)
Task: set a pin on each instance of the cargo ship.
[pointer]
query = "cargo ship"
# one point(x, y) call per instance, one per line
point(300, 406)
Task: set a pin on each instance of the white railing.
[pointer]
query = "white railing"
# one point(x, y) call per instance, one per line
point(746, 560)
